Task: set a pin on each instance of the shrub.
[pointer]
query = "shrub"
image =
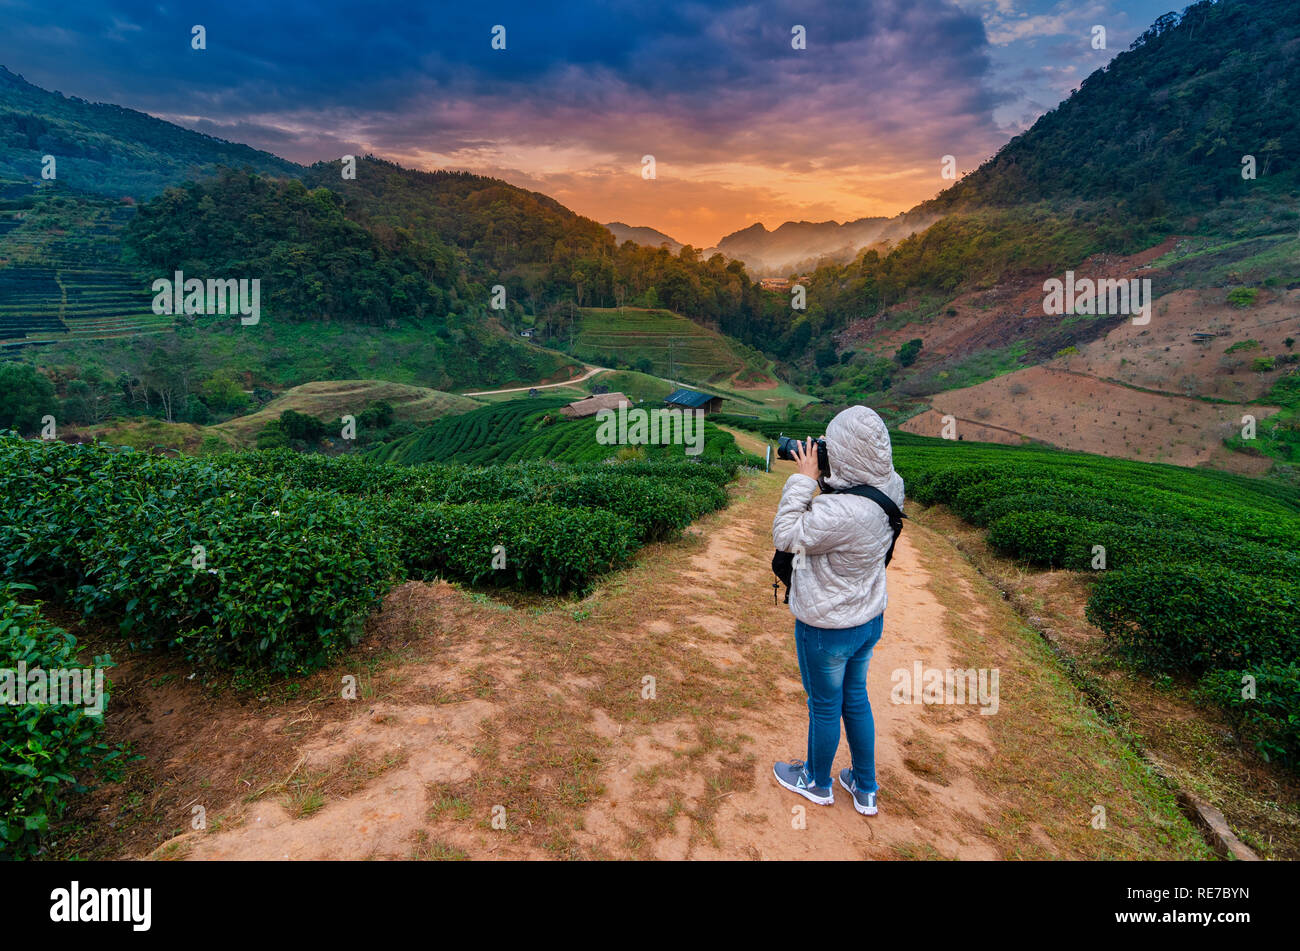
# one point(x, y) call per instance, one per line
point(283, 584)
point(25, 396)
point(1194, 618)
point(288, 572)
point(116, 532)
point(1057, 540)
point(908, 352)
point(272, 436)
point(658, 510)
point(1271, 717)
point(47, 751)
point(545, 547)
point(1242, 296)
point(301, 426)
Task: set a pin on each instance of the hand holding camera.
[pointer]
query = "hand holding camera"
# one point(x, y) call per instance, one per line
point(813, 463)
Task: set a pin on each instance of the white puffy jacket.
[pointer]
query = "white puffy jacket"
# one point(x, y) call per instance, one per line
point(843, 537)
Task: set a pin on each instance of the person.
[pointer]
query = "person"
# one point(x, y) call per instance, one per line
point(838, 597)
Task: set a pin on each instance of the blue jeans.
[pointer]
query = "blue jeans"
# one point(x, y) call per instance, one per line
point(833, 663)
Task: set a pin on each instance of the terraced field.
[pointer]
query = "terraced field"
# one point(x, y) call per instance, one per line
point(62, 276)
point(676, 347)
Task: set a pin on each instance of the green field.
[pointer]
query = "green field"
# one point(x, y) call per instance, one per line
point(675, 347)
point(635, 386)
point(62, 276)
point(531, 429)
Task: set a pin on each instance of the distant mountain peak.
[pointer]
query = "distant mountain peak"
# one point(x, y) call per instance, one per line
point(800, 245)
point(642, 235)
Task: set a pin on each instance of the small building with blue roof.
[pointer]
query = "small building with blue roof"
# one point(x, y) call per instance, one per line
point(692, 399)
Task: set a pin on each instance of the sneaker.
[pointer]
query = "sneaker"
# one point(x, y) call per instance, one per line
point(864, 802)
point(795, 777)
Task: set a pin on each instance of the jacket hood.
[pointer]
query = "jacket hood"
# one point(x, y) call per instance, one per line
point(857, 444)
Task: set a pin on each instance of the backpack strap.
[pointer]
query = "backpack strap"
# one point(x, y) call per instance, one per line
point(892, 511)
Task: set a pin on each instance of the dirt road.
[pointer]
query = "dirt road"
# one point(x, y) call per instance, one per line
point(591, 371)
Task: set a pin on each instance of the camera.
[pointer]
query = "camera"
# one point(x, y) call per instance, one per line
point(785, 446)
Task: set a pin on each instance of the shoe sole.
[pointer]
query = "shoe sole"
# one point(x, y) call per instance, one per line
point(865, 810)
point(804, 792)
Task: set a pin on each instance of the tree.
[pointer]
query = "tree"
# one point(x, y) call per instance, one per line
point(89, 398)
point(223, 392)
point(168, 380)
point(25, 396)
point(906, 354)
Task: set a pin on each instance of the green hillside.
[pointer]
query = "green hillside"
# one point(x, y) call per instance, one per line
point(62, 274)
point(657, 341)
point(530, 430)
point(1193, 94)
point(1148, 147)
point(548, 258)
point(109, 150)
point(330, 399)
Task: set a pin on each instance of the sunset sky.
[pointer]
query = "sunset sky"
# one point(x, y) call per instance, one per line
point(742, 127)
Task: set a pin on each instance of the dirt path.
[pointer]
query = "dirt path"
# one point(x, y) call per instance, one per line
point(748, 441)
point(643, 722)
point(591, 371)
point(763, 821)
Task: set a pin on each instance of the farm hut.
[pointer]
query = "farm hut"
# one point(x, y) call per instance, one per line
point(690, 399)
point(594, 404)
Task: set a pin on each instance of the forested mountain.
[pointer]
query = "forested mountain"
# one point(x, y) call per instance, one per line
point(395, 244)
point(106, 149)
point(1150, 146)
point(312, 261)
point(1163, 128)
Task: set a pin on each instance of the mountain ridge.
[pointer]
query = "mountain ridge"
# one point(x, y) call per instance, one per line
point(86, 137)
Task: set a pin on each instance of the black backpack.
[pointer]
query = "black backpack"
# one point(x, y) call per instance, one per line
point(783, 561)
